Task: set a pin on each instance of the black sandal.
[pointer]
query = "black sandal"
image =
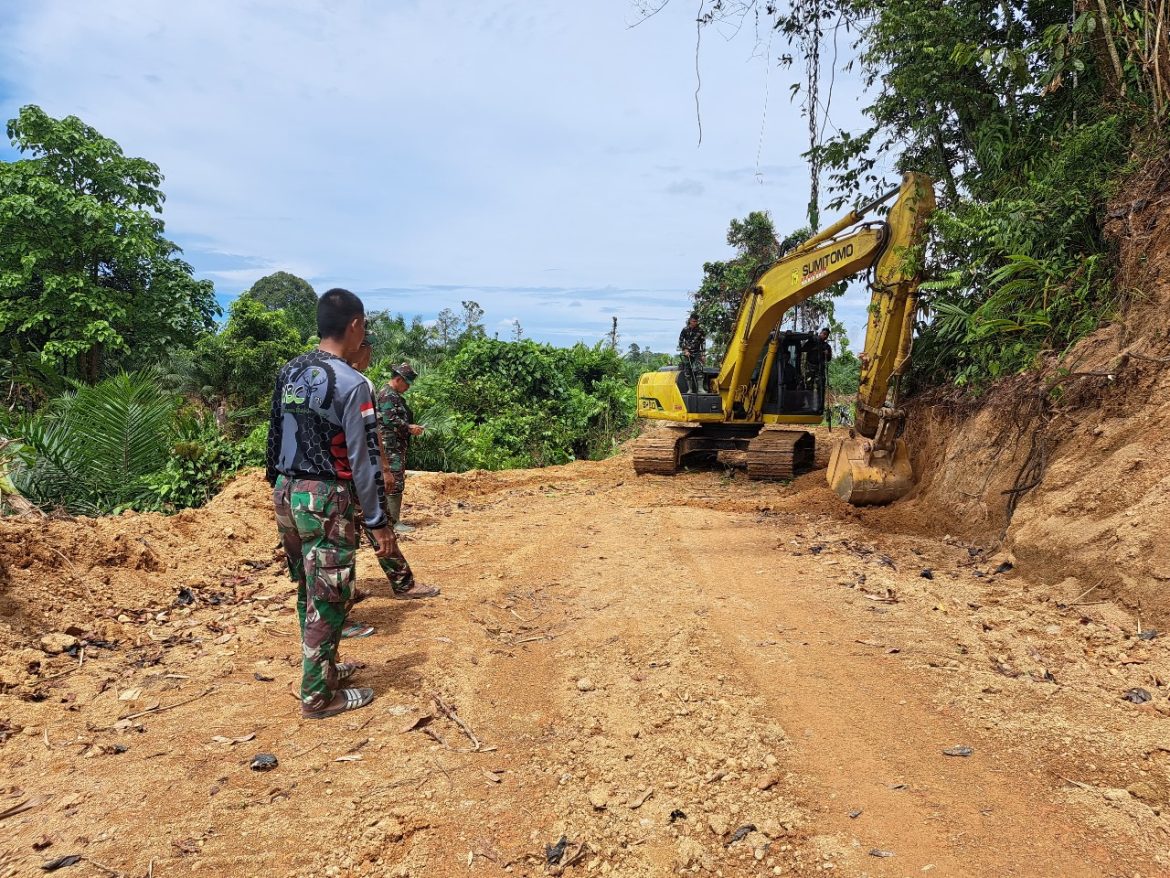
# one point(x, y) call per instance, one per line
point(350, 699)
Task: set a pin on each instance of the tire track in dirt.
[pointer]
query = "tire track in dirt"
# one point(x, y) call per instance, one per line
point(865, 737)
point(653, 721)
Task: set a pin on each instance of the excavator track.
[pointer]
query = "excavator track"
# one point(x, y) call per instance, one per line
point(659, 454)
point(780, 454)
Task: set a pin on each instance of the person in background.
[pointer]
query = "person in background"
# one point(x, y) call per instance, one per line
point(691, 342)
point(396, 421)
point(817, 354)
point(397, 569)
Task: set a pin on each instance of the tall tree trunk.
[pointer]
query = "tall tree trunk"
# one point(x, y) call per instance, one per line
point(92, 364)
point(1107, 35)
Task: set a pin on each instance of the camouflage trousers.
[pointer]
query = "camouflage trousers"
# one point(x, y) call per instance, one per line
point(316, 523)
point(396, 567)
point(394, 470)
point(692, 370)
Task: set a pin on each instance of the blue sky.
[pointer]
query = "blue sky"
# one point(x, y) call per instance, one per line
point(540, 157)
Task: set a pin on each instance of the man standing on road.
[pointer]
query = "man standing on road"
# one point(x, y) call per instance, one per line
point(397, 569)
point(397, 423)
point(691, 342)
point(323, 456)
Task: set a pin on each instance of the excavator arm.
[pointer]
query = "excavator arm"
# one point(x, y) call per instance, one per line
point(786, 284)
point(872, 466)
point(818, 264)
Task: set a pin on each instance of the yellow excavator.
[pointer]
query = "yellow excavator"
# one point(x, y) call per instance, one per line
point(745, 411)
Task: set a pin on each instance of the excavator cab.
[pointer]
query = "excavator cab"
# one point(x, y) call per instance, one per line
point(797, 385)
point(665, 394)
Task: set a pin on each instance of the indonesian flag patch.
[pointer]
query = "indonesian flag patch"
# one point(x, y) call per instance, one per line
point(368, 410)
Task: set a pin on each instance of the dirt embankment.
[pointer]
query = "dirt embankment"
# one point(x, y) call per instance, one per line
point(1071, 471)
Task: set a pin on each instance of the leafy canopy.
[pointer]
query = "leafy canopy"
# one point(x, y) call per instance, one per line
point(92, 450)
point(85, 272)
point(292, 295)
point(240, 363)
point(515, 404)
point(1026, 112)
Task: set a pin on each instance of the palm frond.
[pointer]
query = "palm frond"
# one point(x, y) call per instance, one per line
point(91, 449)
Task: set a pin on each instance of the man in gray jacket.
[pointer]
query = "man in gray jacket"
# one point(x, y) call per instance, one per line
point(323, 454)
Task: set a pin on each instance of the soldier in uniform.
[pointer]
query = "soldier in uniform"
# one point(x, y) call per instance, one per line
point(323, 458)
point(396, 421)
point(691, 342)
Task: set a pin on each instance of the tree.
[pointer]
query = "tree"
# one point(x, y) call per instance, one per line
point(717, 299)
point(85, 271)
point(1026, 112)
point(92, 449)
point(395, 340)
point(446, 328)
point(239, 365)
point(524, 404)
point(291, 294)
point(472, 320)
point(844, 373)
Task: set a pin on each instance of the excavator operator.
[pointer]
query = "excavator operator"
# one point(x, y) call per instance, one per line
point(691, 342)
point(817, 354)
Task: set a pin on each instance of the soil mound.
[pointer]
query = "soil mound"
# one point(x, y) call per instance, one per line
point(92, 577)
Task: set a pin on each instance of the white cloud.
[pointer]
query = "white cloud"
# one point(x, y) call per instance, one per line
point(429, 145)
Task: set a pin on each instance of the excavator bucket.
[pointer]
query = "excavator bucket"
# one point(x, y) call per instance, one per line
point(864, 476)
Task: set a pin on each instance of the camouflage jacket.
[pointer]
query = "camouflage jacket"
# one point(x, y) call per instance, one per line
point(394, 418)
point(817, 353)
point(692, 340)
point(322, 426)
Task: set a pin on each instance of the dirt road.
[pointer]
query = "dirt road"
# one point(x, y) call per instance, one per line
point(699, 674)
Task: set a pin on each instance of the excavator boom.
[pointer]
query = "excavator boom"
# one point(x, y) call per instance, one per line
point(872, 466)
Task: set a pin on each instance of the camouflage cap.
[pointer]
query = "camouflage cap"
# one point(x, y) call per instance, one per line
point(405, 372)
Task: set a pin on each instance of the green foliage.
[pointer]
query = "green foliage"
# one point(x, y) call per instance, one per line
point(123, 443)
point(441, 447)
point(30, 381)
point(1026, 112)
point(239, 365)
point(844, 373)
point(292, 295)
point(396, 341)
point(497, 404)
point(91, 450)
point(638, 360)
point(1031, 269)
point(451, 329)
point(85, 272)
point(200, 461)
point(250, 450)
point(717, 298)
point(12, 456)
